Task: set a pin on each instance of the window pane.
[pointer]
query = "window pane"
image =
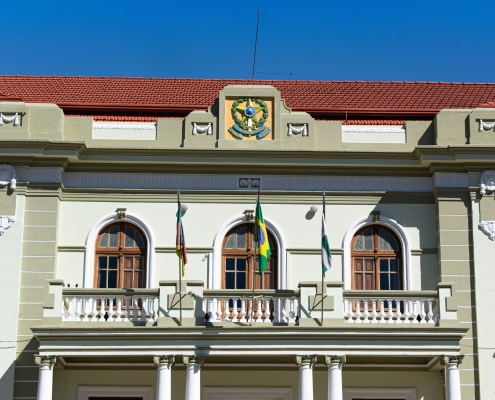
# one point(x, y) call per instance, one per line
point(241, 280)
point(241, 238)
point(112, 279)
point(384, 281)
point(112, 262)
point(139, 240)
point(229, 244)
point(230, 264)
point(368, 239)
point(129, 237)
point(394, 265)
point(393, 243)
point(229, 280)
point(114, 236)
point(394, 282)
point(383, 239)
point(104, 239)
point(241, 264)
point(102, 279)
point(358, 245)
point(102, 262)
point(383, 265)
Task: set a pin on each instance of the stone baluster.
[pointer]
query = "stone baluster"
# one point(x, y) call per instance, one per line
point(78, 309)
point(422, 312)
point(144, 308)
point(430, 311)
point(276, 310)
point(373, 312)
point(235, 308)
point(193, 376)
point(452, 376)
point(251, 310)
point(414, 311)
point(135, 303)
point(305, 364)
point(291, 310)
point(45, 377)
point(358, 312)
point(283, 304)
point(110, 310)
point(226, 311)
point(259, 313)
point(85, 308)
point(382, 311)
point(118, 312)
point(366, 313)
point(127, 313)
point(390, 312)
point(243, 310)
point(335, 364)
point(94, 310)
point(218, 309)
point(350, 311)
point(267, 309)
point(398, 312)
point(151, 309)
point(102, 310)
point(164, 377)
point(211, 309)
point(407, 312)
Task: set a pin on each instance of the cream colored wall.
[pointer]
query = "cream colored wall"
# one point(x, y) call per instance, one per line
point(11, 252)
point(203, 220)
point(484, 278)
point(427, 384)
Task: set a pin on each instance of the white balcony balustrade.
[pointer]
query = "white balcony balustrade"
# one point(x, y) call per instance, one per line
point(390, 307)
point(110, 305)
point(270, 306)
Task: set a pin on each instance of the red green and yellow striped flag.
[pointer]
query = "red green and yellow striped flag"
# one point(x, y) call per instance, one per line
point(180, 241)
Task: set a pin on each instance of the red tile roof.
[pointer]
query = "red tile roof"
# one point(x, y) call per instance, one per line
point(319, 98)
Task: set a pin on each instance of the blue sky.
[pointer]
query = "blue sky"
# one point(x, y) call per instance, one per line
point(347, 40)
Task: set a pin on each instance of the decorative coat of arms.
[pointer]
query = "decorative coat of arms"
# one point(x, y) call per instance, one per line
point(249, 116)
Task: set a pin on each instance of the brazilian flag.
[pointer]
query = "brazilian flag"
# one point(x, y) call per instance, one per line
point(261, 237)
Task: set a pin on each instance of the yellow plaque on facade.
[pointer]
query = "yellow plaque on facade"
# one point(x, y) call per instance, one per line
point(248, 118)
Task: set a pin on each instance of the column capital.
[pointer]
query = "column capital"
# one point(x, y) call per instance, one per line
point(45, 361)
point(456, 360)
point(306, 359)
point(164, 361)
point(193, 360)
point(335, 360)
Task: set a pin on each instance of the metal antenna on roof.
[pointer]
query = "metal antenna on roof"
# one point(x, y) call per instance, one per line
point(256, 45)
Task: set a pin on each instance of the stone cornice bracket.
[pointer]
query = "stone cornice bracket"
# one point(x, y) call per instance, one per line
point(7, 176)
point(164, 361)
point(5, 223)
point(488, 228)
point(487, 181)
point(335, 360)
point(486, 127)
point(306, 359)
point(452, 360)
point(45, 361)
point(190, 361)
point(121, 212)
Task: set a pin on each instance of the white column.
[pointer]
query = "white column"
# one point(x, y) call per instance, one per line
point(452, 376)
point(335, 364)
point(305, 364)
point(45, 380)
point(164, 377)
point(193, 377)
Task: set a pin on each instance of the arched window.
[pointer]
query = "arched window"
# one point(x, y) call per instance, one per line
point(238, 260)
point(376, 257)
point(120, 257)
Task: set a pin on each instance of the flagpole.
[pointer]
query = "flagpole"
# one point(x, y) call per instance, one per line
point(254, 262)
point(322, 271)
point(180, 264)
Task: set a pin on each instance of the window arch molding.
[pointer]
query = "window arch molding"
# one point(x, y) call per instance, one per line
point(396, 228)
point(89, 267)
point(215, 281)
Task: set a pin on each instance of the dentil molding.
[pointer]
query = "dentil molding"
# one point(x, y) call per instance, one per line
point(5, 223)
point(7, 176)
point(236, 182)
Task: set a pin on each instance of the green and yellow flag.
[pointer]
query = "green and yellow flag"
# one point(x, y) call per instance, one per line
point(261, 237)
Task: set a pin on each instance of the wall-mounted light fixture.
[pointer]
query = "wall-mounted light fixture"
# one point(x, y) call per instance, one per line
point(313, 209)
point(184, 207)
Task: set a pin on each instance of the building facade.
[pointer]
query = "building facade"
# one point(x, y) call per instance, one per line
point(93, 304)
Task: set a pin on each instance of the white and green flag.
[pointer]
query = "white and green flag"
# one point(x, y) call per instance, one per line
point(326, 255)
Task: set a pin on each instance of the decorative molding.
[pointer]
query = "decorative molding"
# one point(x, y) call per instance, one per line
point(121, 213)
point(45, 361)
point(86, 392)
point(339, 360)
point(488, 228)
point(8, 176)
point(451, 180)
point(452, 360)
point(164, 361)
point(45, 175)
point(249, 215)
point(15, 119)
point(259, 393)
point(147, 126)
point(202, 129)
point(373, 128)
point(249, 183)
point(379, 393)
point(303, 130)
point(193, 360)
point(306, 359)
point(5, 223)
point(487, 181)
point(486, 127)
